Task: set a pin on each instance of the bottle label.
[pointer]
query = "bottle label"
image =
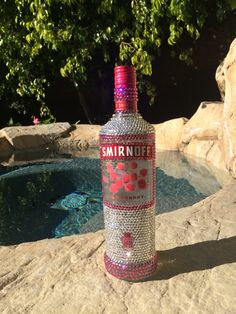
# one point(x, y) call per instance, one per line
point(128, 170)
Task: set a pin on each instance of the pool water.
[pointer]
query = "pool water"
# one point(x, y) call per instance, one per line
point(63, 198)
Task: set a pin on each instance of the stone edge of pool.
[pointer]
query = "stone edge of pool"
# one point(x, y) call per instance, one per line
point(196, 268)
point(197, 264)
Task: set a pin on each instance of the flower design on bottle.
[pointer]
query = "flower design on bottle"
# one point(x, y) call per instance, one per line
point(127, 241)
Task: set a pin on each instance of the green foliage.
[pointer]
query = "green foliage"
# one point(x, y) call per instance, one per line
point(232, 3)
point(46, 116)
point(41, 40)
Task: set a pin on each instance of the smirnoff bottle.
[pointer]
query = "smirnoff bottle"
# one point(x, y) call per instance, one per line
point(127, 152)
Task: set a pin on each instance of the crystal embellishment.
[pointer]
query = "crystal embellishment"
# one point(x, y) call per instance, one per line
point(127, 152)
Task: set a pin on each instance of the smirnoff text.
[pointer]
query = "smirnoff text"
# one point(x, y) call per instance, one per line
point(124, 151)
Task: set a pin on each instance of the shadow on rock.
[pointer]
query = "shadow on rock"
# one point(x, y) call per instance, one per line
point(194, 257)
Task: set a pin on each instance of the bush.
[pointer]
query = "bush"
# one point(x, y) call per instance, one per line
point(42, 40)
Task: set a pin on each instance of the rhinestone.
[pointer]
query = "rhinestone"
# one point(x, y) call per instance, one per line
point(137, 219)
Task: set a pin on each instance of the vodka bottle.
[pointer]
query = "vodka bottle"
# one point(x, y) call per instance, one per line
point(127, 153)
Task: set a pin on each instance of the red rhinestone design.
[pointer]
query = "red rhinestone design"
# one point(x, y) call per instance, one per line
point(132, 272)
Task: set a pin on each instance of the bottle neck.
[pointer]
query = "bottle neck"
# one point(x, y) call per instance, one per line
point(125, 99)
point(126, 107)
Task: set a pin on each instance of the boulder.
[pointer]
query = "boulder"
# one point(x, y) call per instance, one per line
point(169, 133)
point(202, 134)
point(205, 124)
point(220, 80)
point(6, 148)
point(89, 133)
point(83, 136)
point(35, 136)
point(196, 268)
point(206, 149)
point(229, 128)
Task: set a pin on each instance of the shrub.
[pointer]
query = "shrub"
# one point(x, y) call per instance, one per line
point(41, 40)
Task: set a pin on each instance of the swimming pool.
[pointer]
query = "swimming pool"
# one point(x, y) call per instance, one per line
point(63, 197)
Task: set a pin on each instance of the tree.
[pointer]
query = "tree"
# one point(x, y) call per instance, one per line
point(41, 40)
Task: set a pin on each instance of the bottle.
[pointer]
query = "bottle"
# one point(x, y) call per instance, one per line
point(127, 154)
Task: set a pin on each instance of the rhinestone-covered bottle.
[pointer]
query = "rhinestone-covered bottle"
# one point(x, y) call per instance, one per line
point(127, 152)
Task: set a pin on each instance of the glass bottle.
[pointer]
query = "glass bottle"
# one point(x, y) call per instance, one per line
point(127, 153)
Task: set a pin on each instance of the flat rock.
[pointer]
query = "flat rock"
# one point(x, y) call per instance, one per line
point(82, 138)
point(196, 272)
point(35, 136)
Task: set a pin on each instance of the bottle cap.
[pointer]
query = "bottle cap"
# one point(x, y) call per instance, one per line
point(125, 91)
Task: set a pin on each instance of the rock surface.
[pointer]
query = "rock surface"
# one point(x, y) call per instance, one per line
point(81, 138)
point(169, 133)
point(35, 136)
point(202, 134)
point(220, 80)
point(196, 273)
point(205, 124)
point(197, 255)
point(6, 148)
point(229, 129)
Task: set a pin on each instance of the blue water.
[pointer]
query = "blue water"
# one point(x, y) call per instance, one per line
point(63, 198)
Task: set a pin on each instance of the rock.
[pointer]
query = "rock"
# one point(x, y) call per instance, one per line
point(196, 271)
point(22, 157)
point(229, 129)
point(6, 148)
point(88, 133)
point(93, 224)
point(85, 135)
point(205, 124)
point(212, 161)
point(82, 138)
point(169, 133)
point(202, 134)
point(199, 149)
point(215, 155)
point(208, 150)
point(220, 80)
point(35, 136)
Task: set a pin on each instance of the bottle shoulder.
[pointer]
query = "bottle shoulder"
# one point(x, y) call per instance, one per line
point(130, 123)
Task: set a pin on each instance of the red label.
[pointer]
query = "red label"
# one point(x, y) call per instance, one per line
point(128, 171)
point(126, 151)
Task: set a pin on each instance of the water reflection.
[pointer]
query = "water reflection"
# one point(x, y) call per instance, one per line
point(62, 198)
point(24, 207)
